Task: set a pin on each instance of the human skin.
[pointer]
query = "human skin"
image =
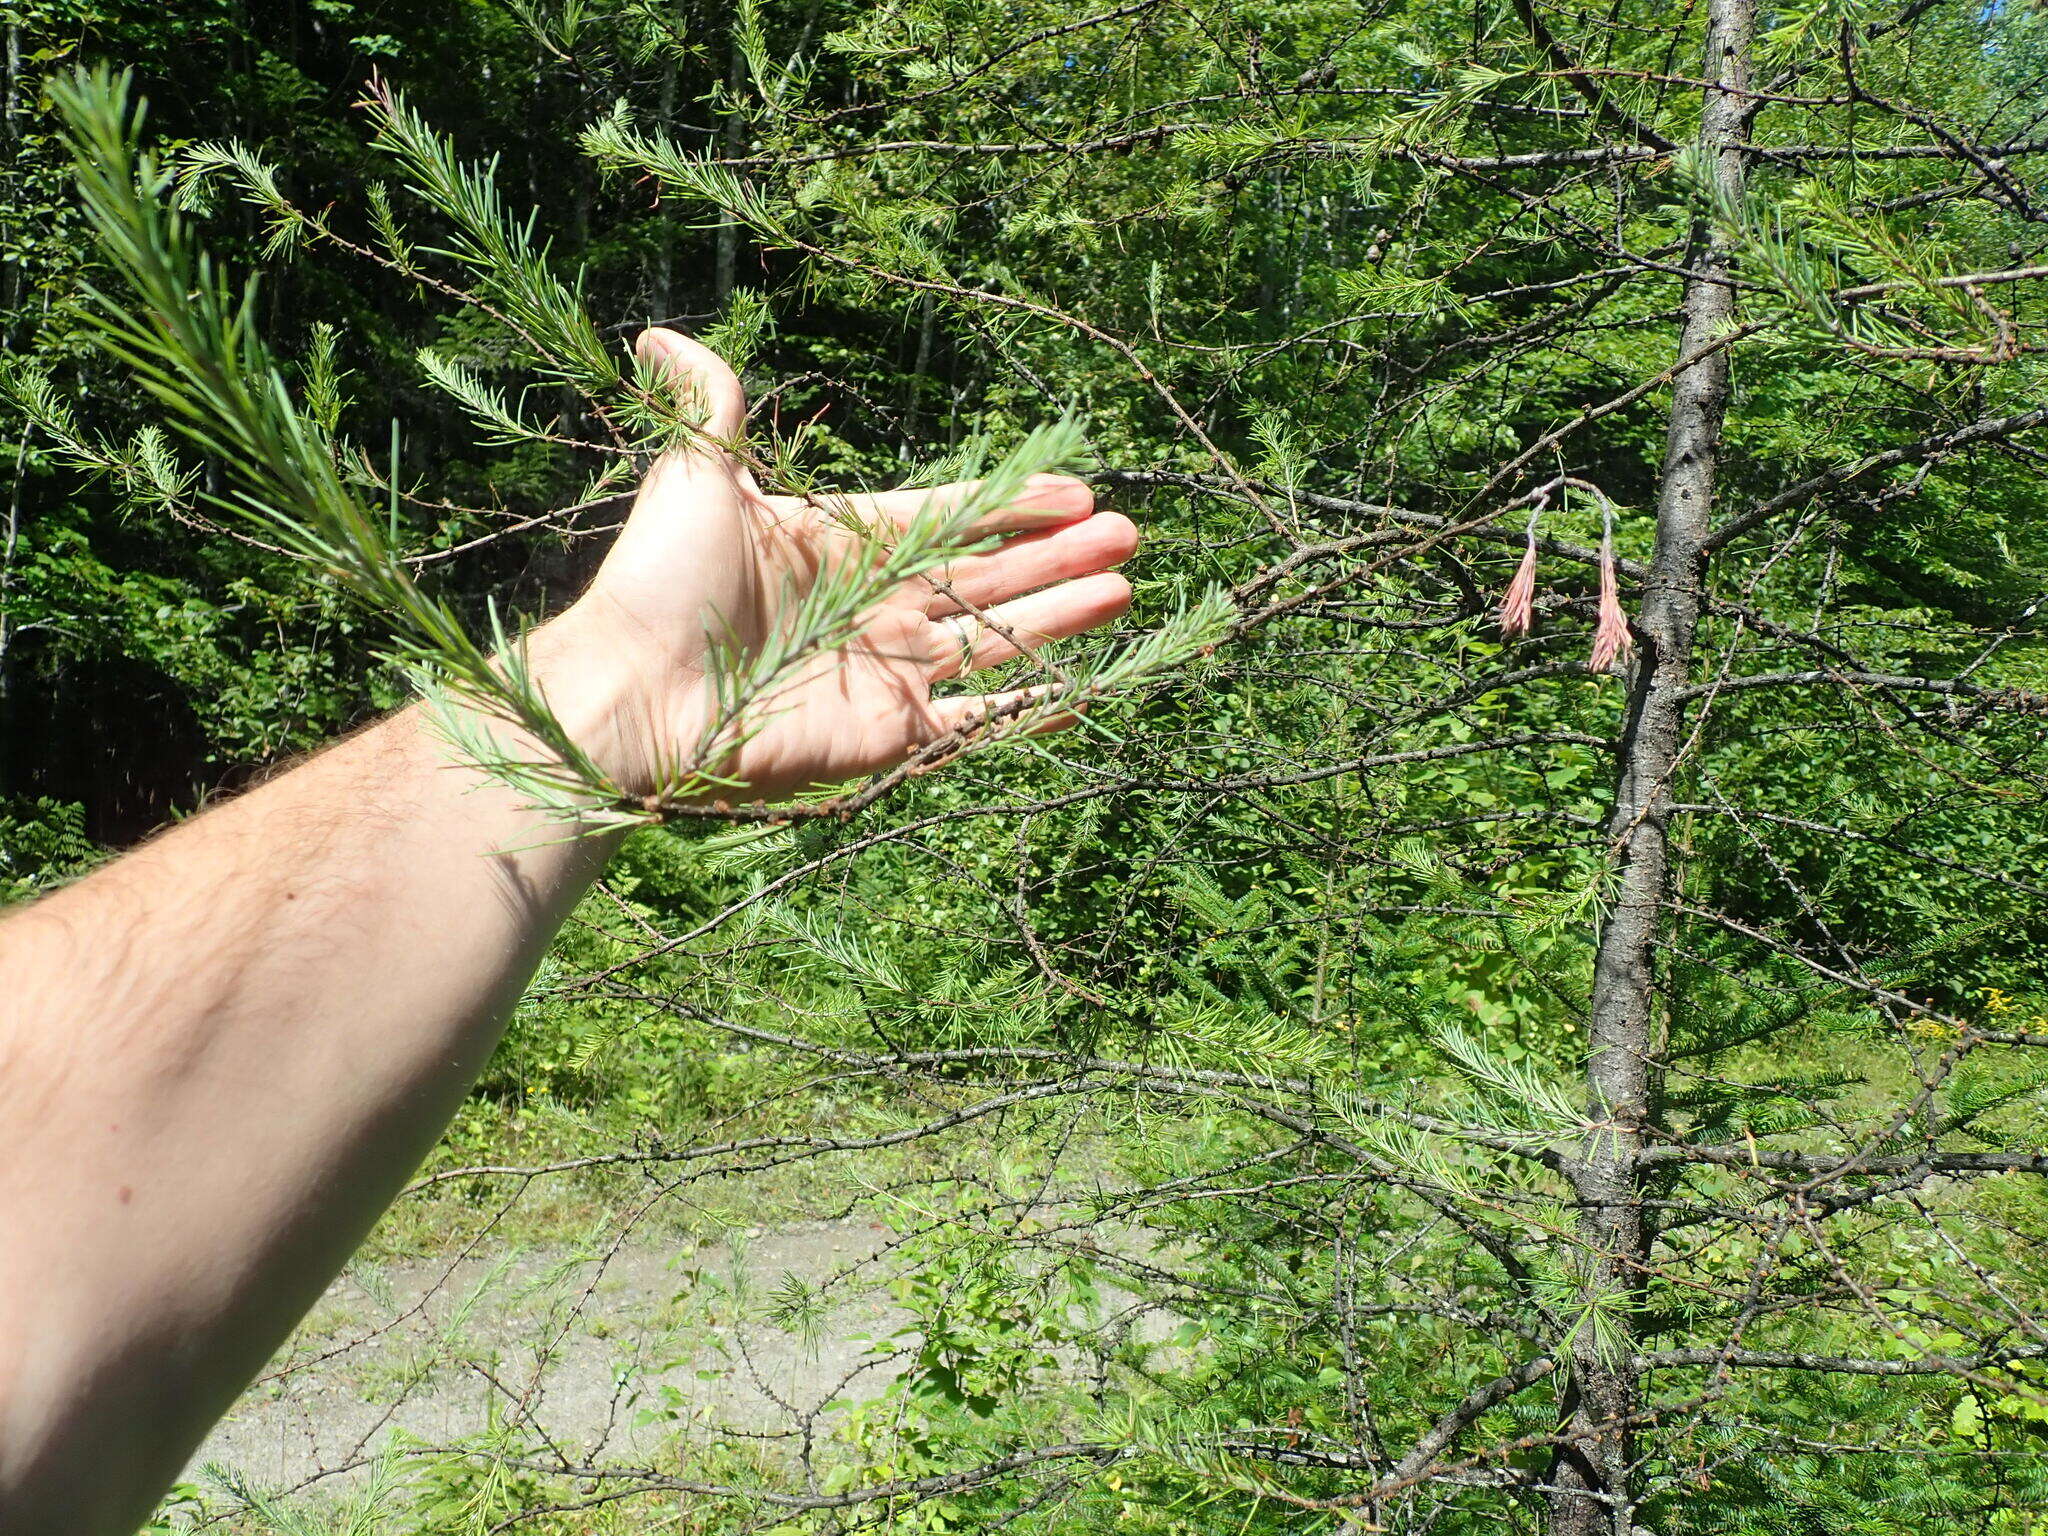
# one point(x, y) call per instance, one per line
point(222, 1054)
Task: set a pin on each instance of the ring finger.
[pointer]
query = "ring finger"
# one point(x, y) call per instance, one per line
point(968, 642)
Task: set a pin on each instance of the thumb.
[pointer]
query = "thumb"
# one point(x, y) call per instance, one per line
point(698, 475)
point(704, 382)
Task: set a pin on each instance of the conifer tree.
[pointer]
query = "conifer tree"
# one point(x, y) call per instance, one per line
point(1525, 1011)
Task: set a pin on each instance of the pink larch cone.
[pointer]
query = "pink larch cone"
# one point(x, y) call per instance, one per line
point(1518, 607)
point(1611, 638)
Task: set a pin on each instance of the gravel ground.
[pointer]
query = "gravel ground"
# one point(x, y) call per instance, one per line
point(557, 1342)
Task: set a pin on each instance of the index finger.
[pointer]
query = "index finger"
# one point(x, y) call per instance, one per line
point(1046, 501)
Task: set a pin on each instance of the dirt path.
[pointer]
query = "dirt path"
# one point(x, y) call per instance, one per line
point(572, 1348)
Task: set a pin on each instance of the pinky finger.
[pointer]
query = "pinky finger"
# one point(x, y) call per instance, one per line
point(976, 714)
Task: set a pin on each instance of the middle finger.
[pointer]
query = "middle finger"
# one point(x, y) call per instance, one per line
point(1030, 561)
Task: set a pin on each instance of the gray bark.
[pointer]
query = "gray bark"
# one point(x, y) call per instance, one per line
point(725, 268)
point(1592, 1472)
point(15, 273)
point(661, 276)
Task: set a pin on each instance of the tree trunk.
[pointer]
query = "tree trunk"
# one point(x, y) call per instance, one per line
point(725, 267)
point(1591, 1474)
point(16, 273)
point(662, 263)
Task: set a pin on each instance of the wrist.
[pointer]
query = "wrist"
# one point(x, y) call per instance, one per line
point(596, 683)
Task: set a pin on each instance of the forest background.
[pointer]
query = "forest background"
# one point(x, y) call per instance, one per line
point(1417, 1061)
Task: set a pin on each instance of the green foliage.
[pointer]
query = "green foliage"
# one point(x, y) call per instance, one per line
point(1280, 979)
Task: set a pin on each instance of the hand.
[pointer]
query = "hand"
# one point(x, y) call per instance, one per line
point(705, 552)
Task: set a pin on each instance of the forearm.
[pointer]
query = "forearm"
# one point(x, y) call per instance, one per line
point(219, 1058)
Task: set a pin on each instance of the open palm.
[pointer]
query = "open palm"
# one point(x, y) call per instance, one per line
point(706, 554)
